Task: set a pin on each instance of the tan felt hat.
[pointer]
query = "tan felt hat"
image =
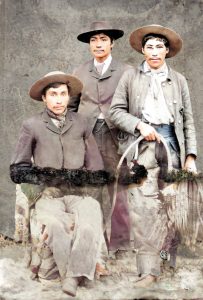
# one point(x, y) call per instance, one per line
point(74, 84)
point(174, 39)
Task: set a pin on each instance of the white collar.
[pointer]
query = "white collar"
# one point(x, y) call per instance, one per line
point(107, 62)
point(163, 68)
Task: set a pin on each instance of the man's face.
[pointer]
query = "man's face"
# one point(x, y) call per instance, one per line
point(155, 52)
point(56, 99)
point(100, 46)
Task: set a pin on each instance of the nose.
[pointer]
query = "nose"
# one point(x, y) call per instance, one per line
point(98, 44)
point(59, 99)
point(154, 52)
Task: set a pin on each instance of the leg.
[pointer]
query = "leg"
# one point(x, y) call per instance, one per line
point(147, 217)
point(120, 223)
point(88, 235)
point(57, 229)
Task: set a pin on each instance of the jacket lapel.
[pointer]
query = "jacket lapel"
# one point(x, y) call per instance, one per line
point(50, 125)
point(69, 122)
point(108, 73)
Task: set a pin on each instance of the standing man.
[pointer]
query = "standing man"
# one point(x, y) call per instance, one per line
point(100, 77)
point(153, 100)
point(55, 150)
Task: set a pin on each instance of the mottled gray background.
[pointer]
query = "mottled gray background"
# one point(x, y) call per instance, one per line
point(38, 36)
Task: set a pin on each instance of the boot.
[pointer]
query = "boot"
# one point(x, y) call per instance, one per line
point(70, 285)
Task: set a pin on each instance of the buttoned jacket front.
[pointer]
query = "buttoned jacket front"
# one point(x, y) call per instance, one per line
point(73, 147)
point(98, 91)
point(128, 102)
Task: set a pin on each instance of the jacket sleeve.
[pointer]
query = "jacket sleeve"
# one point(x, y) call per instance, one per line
point(188, 121)
point(25, 145)
point(74, 103)
point(93, 159)
point(119, 109)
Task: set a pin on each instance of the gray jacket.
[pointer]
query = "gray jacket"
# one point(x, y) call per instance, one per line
point(128, 101)
point(72, 148)
point(98, 91)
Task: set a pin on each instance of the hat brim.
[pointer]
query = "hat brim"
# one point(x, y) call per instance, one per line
point(74, 85)
point(114, 33)
point(174, 39)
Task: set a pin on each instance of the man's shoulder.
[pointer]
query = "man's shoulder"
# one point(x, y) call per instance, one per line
point(33, 119)
point(176, 74)
point(120, 64)
point(77, 117)
point(85, 66)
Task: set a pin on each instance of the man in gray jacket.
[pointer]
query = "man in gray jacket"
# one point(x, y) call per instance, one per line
point(153, 100)
point(57, 154)
point(100, 77)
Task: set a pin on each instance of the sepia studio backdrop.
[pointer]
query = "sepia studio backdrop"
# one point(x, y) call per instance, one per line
point(39, 36)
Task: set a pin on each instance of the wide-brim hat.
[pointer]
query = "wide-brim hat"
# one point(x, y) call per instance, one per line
point(74, 84)
point(174, 39)
point(100, 27)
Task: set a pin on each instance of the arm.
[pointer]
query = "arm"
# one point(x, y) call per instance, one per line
point(119, 110)
point(74, 103)
point(21, 169)
point(189, 129)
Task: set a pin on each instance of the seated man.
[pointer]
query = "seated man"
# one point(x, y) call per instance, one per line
point(56, 153)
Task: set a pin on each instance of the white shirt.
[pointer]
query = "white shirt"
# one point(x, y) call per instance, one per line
point(155, 108)
point(106, 63)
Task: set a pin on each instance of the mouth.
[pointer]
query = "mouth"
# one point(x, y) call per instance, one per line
point(58, 107)
point(155, 59)
point(99, 51)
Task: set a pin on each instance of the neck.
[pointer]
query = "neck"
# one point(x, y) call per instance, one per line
point(102, 59)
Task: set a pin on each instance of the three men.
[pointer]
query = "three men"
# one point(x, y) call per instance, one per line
point(56, 151)
point(153, 100)
point(100, 77)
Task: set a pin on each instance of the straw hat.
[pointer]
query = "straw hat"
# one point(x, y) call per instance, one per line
point(100, 27)
point(74, 84)
point(174, 39)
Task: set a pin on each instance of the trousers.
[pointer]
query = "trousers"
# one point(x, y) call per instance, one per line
point(72, 229)
point(147, 212)
point(120, 222)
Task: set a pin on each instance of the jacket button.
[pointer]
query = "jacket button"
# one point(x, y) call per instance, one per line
point(170, 82)
point(174, 101)
point(179, 121)
point(163, 84)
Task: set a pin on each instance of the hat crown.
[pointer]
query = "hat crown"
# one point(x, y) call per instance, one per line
point(99, 25)
point(54, 73)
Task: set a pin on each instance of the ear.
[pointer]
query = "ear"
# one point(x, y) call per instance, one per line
point(112, 44)
point(143, 51)
point(167, 50)
point(43, 98)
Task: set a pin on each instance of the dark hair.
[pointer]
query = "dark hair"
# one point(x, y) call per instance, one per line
point(52, 85)
point(155, 36)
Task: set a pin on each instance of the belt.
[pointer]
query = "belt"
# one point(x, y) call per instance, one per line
point(163, 128)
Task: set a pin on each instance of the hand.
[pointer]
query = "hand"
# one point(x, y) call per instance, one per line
point(148, 132)
point(190, 165)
